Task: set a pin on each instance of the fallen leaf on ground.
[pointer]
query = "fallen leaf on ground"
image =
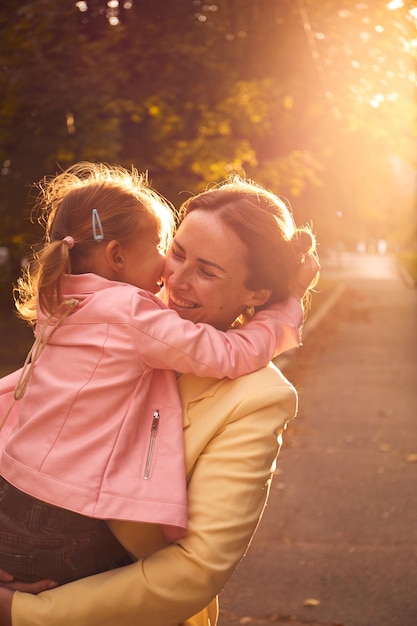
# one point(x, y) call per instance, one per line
point(311, 602)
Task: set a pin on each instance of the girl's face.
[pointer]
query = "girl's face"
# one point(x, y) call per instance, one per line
point(205, 272)
point(144, 261)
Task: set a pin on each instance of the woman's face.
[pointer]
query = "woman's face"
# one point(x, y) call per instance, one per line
point(205, 271)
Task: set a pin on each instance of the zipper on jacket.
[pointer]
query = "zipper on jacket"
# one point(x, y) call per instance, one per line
point(151, 448)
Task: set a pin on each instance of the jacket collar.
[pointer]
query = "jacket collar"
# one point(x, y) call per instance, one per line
point(194, 388)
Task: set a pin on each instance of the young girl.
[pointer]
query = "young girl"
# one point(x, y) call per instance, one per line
point(99, 430)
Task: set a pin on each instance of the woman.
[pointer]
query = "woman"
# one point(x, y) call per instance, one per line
point(232, 238)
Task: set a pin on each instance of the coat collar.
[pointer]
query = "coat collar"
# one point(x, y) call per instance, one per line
point(194, 388)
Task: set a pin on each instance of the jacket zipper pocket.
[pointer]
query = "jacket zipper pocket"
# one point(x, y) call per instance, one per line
point(152, 441)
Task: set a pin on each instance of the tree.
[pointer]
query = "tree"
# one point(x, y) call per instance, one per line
point(313, 99)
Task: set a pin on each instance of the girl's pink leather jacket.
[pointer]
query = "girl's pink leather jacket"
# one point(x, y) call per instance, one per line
point(99, 427)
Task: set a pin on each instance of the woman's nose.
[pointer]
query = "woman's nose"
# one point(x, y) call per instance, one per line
point(180, 277)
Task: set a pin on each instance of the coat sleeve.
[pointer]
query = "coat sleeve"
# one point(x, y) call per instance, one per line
point(164, 340)
point(8, 407)
point(227, 491)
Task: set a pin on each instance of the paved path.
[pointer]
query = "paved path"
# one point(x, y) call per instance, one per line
point(337, 545)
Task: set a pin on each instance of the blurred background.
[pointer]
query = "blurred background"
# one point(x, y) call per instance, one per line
point(315, 99)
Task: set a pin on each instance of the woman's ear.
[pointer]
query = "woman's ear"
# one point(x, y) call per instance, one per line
point(259, 297)
point(115, 256)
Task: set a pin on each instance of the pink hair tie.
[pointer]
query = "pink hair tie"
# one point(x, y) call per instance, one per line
point(69, 241)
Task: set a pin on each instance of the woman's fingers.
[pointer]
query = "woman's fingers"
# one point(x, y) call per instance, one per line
point(5, 577)
point(7, 581)
point(35, 588)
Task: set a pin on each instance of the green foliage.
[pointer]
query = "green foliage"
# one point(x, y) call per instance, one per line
point(313, 99)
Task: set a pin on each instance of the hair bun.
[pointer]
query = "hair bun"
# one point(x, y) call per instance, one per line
point(303, 241)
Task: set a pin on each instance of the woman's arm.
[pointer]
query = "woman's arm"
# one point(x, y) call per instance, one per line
point(227, 493)
point(7, 588)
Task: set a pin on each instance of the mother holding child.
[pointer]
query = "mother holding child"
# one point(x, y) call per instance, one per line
point(96, 440)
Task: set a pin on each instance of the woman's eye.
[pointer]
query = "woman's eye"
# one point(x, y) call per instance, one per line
point(206, 273)
point(177, 254)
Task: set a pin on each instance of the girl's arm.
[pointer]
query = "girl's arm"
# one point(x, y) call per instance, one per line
point(8, 407)
point(8, 383)
point(170, 342)
point(165, 341)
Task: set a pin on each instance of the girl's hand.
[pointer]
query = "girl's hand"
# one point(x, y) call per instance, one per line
point(306, 275)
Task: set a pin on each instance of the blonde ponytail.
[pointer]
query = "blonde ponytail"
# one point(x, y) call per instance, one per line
point(41, 281)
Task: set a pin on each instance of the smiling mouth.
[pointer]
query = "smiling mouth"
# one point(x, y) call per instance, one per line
point(183, 304)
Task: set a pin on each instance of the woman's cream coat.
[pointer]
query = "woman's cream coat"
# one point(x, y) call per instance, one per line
point(232, 438)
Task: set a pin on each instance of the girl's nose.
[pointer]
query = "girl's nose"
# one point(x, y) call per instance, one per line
point(162, 265)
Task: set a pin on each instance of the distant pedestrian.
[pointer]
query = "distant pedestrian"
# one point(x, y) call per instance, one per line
point(381, 246)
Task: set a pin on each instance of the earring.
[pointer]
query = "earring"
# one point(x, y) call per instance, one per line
point(250, 311)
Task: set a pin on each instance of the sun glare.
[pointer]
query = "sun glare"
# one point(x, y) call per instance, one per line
point(112, 10)
point(395, 4)
point(81, 6)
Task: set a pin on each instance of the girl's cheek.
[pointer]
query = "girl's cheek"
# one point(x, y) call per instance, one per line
point(167, 268)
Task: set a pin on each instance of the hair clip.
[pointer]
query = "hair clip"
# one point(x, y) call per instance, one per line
point(97, 227)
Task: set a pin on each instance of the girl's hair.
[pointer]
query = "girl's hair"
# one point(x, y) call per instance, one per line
point(275, 247)
point(86, 205)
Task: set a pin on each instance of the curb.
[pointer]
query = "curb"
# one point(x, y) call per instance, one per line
point(406, 276)
point(281, 362)
point(328, 304)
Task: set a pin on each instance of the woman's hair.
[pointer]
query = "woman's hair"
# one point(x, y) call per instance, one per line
point(87, 205)
point(275, 247)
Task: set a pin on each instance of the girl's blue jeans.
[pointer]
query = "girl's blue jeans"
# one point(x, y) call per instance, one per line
point(39, 540)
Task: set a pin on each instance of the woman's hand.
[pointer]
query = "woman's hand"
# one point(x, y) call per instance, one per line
point(6, 596)
point(306, 275)
point(7, 582)
point(7, 588)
